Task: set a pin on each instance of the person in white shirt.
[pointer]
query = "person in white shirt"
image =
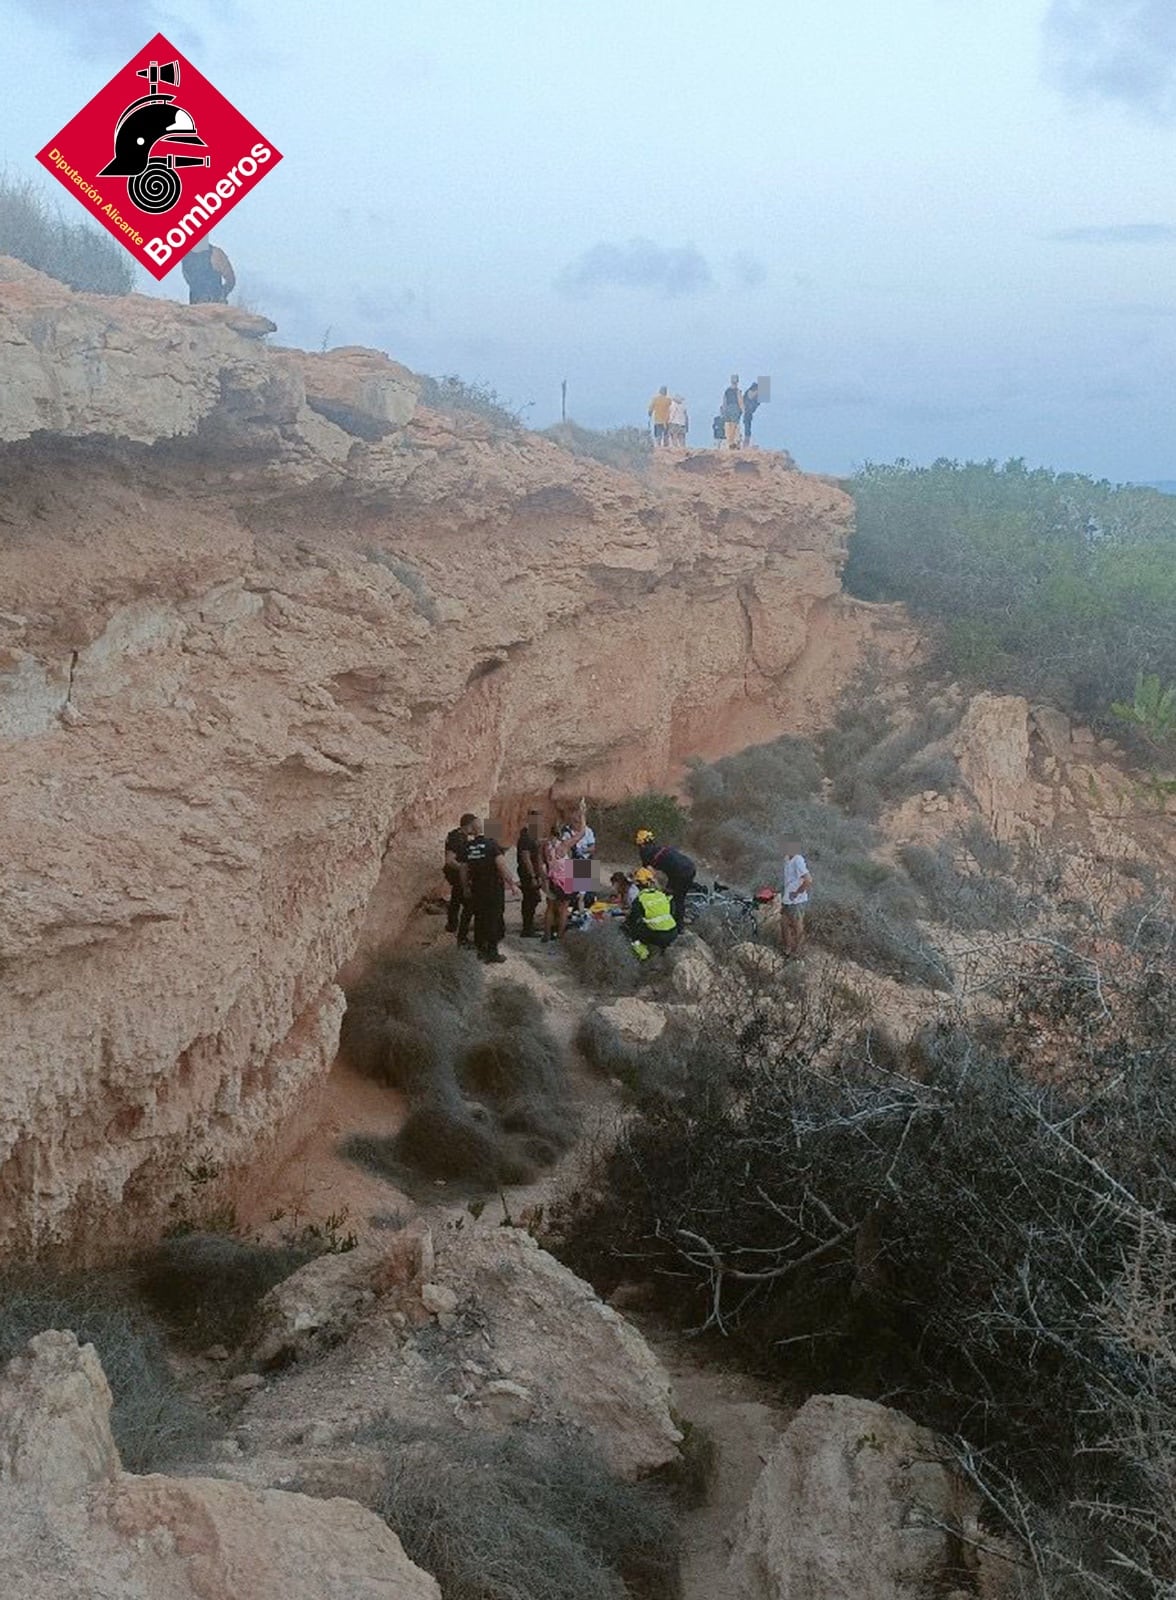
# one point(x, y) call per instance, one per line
point(794, 897)
point(679, 422)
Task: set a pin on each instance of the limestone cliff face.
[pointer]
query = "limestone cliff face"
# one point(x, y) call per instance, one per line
point(266, 628)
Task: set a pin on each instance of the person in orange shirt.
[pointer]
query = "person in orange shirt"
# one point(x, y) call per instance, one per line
point(659, 411)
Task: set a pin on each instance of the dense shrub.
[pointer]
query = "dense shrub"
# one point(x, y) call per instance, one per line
point(153, 1421)
point(628, 449)
point(529, 1516)
point(616, 825)
point(448, 1142)
point(955, 896)
point(872, 763)
point(75, 253)
point(1048, 584)
point(992, 1253)
point(510, 1004)
point(206, 1285)
point(744, 807)
point(602, 960)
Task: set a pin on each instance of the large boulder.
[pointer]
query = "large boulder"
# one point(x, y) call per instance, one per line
point(55, 1436)
point(501, 1334)
point(317, 1306)
point(637, 1021)
point(857, 1500)
point(74, 1527)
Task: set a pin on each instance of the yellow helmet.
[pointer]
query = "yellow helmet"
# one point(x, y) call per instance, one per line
point(644, 836)
point(644, 875)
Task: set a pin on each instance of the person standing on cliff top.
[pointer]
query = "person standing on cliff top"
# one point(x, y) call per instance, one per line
point(751, 402)
point(486, 878)
point(659, 413)
point(731, 411)
point(679, 422)
point(209, 274)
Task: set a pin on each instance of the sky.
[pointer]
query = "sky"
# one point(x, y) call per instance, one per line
point(942, 227)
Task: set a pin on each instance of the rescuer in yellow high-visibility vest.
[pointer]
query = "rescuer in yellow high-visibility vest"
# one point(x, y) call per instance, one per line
point(650, 920)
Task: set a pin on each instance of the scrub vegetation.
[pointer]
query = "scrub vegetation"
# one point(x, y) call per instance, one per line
point(1041, 583)
point(76, 253)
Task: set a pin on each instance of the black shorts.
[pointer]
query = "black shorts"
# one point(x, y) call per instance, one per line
point(559, 896)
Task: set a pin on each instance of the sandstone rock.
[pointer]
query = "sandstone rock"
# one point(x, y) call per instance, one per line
point(438, 1299)
point(637, 1021)
point(73, 1527)
point(994, 761)
point(507, 1402)
point(318, 1305)
point(693, 978)
point(854, 1501)
point(759, 961)
point(532, 1326)
point(55, 1434)
point(578, 1359)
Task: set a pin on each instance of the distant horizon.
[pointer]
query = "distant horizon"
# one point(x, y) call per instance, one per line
point(942, 229)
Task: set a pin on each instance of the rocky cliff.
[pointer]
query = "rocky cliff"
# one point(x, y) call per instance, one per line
point(266, 627)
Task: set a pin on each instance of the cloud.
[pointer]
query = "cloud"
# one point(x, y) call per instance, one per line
point(1120, 233)
point(748, 271)
point(640, 264)
point(1118, 50)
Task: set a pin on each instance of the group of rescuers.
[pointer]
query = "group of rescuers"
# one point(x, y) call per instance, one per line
point(556, 866)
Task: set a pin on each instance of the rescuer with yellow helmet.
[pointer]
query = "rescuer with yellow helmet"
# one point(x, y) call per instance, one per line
point(675, 865)
point(650, 920)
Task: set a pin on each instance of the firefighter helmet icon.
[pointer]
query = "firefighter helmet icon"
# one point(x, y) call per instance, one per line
point(153, 119)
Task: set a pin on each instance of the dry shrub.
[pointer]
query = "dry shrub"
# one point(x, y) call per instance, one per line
point(154, 1422)
point(206, 1285)
point(527, 1516)
point(503, 1066)
point(601, 960)
point(510, 1004)
point(993, 1255)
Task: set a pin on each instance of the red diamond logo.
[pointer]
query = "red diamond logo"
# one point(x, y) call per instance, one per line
point(159, 156)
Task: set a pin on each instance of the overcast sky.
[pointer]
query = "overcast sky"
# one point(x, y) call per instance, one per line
point(944, 227)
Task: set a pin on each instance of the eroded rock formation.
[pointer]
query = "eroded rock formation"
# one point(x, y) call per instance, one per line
point(266, 627)
point(73, 1525)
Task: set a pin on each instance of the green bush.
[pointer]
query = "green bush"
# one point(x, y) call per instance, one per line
point(744, 808)
point(615, 826)
point(154, 1422)
point(1042, 583)
point(529, 1516)
point(75, 253)
point(206, 1286)
point(628, 449)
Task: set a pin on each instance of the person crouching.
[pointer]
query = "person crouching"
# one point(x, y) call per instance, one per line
point(650, 922)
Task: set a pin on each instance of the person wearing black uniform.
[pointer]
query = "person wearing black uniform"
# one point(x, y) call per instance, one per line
point(486, 878)
point(676, 867)
point(456, 841)
point(530, 865)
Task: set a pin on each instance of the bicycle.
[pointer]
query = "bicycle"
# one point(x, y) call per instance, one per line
point(738, 911)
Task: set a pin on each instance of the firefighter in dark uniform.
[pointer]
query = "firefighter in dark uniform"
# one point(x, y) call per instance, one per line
point(674, 865)
point(528, 851)
point(485, 879)
point(456, 840)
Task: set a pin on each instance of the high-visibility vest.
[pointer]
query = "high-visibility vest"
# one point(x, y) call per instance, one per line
point(655, 909)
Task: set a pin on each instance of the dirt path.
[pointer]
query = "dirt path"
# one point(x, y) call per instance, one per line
point(744, 1418)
